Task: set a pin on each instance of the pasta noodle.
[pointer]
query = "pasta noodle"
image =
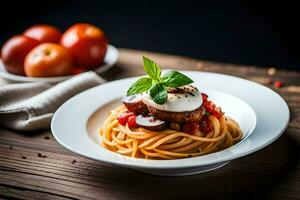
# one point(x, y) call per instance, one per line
point(167, 144)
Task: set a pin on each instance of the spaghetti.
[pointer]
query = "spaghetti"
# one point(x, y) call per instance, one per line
point(167, 144)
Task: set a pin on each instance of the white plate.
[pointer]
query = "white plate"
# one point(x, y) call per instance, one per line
point(262, 114)
point(110, 59)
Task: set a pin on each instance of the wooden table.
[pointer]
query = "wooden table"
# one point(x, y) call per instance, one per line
point(35, 166)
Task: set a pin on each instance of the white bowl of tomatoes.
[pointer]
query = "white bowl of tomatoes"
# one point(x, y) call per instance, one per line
point(43, 53)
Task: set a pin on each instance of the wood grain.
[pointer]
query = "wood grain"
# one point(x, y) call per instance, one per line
point(35, 166)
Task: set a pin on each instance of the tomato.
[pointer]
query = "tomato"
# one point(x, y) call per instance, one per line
point(44, 33)
point(86, 43)
point(209, 106)
point(132, 122)
point(217, 113)
point(190, 127)
point(204, 97)
point(48, 60)
point(278, 84)
point(14, 51)
point(77, 70)
point(123, 118)
point(204, 125)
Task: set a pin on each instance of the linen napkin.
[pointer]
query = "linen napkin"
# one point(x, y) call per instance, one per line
point(30, 106)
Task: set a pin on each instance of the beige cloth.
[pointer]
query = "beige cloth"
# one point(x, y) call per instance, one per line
point(30, 106)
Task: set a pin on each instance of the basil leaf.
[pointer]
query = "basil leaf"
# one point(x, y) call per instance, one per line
point(141, 85)
point(176, 79)
point(159, 94)
point(151, 68)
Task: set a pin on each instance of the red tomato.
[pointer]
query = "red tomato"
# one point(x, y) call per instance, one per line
point(123, 118)
point(14, 51)
point(209, 106)
point(204, 97)
point(77, 70)
point(86, 43)
point(44, 33)
point(48, 60)
point(217, 113)
point(278, 84)
point(131, 122)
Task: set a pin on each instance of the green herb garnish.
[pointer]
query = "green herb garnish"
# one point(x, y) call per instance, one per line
point(158, 92)
point(141, 85)
point(157, 84)
point(207, 113)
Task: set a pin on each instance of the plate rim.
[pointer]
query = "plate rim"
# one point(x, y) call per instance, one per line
point(190, 165)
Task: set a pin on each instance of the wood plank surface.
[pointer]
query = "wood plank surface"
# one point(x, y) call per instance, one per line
point(35, 166)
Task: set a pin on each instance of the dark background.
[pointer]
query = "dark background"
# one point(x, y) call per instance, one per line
point(245, 32)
